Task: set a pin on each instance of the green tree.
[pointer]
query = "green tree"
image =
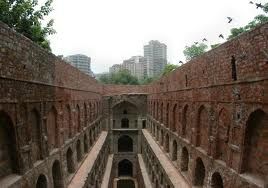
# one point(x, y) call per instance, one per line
point(194, 50)
point(259, 19)
point(122, 77)
point(25, 18)
point(168, 68)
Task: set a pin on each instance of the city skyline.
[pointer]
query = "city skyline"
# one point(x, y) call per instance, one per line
point(113, 31)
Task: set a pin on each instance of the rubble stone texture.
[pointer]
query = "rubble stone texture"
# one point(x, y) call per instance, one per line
point(207, 121)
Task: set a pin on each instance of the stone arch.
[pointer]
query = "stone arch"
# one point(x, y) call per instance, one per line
point(184, 159)
point(167, 116)
point(36, 132)
point(161, 137)
point(85, 144)
point(8, 158)
point(78, 118)
point(161, 113)
point(52, 128)
point(185, 128)
point(70, 161)
point(125, 144)
point(78, 151)
point(125, 168)
point(90, 112)
point(57, 175)
point(124, 123)
point(223, 135)
point(216, 180)
point(199, 172)
point(41, 181)
point(157, 111)
point(154, 110)
point(174, 118)
point(202, 128)
point(167, 143)
point(68, 121)
point(85, 114)
point(255, 144)
point(174, 156)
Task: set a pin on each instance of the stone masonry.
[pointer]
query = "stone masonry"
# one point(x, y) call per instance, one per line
point(203, 125)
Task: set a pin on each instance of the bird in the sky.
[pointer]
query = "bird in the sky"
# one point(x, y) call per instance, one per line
point(251, 2)
point(180, 62)
point(229, 19)
point(221, 36)
point(258, 5)
point(195, 43)
point(204, 39)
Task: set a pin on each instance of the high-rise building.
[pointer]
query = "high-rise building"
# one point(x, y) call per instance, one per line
point(82, 62)
point(155, 54)
point(137, 66)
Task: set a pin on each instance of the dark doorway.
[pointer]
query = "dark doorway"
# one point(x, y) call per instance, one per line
point(144, 124)
point(200, 172)
point(184, 159)
point(216, 181)
point(56, 173)
point(125, 144)
point(124, 123)
point(8, 159)
point(41, 182)
point(78, 151)
point(70, 161)
point(125, 168)
point(125, 184)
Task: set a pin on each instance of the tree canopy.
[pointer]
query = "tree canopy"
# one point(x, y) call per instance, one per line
point(194, 50)
point(259, 19)
point(122, 77)
point(169, 68)
point(27, 19)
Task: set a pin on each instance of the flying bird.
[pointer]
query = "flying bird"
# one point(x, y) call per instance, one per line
point(221, 36)
point(180, 62)
point(251, 2)
point(204, 39)
point(195, 43)
point(229, 19)
point(259, 5)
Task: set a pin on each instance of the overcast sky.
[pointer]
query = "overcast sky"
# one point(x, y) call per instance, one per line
point(110, 31)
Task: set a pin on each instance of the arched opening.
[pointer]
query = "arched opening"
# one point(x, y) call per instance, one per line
point(167, 143)
point(162, 137)
point(125, 123)
point(70, 161)
point(125, 168)
point(199, 172)
point(85, 114)
point(255, 143)
point(216, 181)
point(202, 128)
point(52, 128)
point(125, 183)
point(41, 181)
point(34, 121)
point(156, 184)
point(161, 111)
point(125, 144)
point(223, 135)
point(78, 126)
point(56, 174)
point(174, 150)
point(8, 158)
point(78, 151)
point(185, 131)
point(174, 118)
point(144, 124)
point(68, 123)
point(167, 116)
point(90, 112)
point(184, 159)
point(85, 144)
